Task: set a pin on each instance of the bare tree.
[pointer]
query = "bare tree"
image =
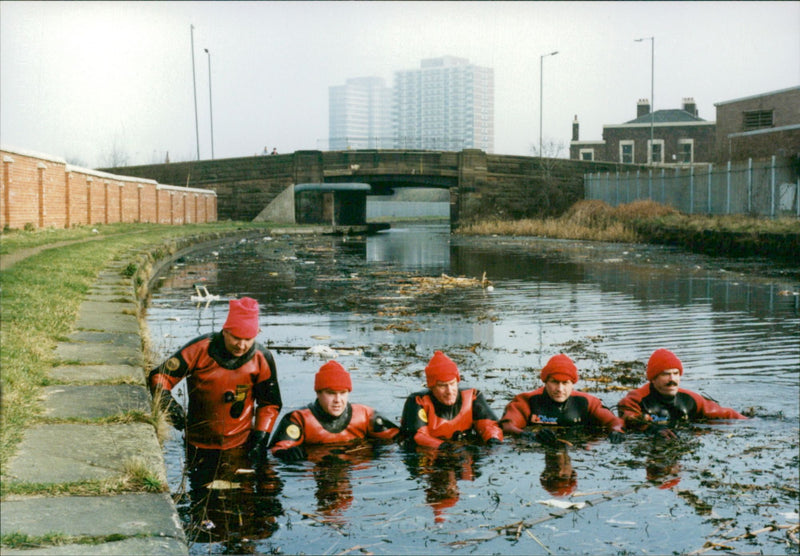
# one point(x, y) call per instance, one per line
point(114, 155)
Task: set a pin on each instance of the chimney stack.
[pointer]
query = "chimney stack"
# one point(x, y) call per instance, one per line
point(690, 106)
point(575, 128)
point(642, 107)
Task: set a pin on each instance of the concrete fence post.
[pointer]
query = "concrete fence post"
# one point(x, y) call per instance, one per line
point(772, 187)
point(728, 186)
point(749, 186)
point(710, 168)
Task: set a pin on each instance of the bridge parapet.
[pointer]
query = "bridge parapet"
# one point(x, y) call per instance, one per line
point(481, 185)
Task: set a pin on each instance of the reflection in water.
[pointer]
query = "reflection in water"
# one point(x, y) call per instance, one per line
point(607, 306)
point(558, 477)
point(425, 247)
point(228, 501)
point(333, 468)
point(440, 471)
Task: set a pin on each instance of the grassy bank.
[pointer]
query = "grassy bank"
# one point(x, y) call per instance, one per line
point(651, 222)
point(42, 293)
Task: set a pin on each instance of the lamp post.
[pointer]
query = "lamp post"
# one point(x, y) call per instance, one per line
point(194, 88)
point(210, 109)
point(652, 93)
point(541, 85)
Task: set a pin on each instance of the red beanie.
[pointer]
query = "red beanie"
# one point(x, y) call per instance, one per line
point(332, 376)
point(441, 369)
point(662, 360)
point(560, 367)
point(242, 319)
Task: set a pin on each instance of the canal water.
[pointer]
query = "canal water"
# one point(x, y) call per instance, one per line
point(727, 486)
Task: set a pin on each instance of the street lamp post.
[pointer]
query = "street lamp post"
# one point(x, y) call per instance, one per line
point(652, 93)
point(194, 88)
point(541, 96)
point(210, 108)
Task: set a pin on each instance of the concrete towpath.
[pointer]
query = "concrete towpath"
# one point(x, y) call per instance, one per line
point(102, 376)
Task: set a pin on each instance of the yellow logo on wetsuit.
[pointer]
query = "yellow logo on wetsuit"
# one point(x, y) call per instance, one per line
point(422, 415)
point(293, 432)
point(172, 364)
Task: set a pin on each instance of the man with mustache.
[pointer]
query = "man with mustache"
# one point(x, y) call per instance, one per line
point(331, 419)
point(660, 404)
point(435, 417)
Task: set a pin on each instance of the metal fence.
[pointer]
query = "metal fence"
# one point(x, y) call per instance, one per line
point(765, 188)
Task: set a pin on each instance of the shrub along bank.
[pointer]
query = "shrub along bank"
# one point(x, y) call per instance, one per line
point(651, 222)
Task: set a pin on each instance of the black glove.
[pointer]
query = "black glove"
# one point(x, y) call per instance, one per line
point(295, 453)
point(546, 437)
point(257, 448)
point(616, 437)
point(494, 441)
point(528, 435)
point(662, 431)
point(174, 410)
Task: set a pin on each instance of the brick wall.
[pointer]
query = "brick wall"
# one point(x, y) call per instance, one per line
point(46, 192)
point(734, 142)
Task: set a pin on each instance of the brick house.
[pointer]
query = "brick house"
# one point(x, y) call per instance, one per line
point(759, 126)
point(679, 137)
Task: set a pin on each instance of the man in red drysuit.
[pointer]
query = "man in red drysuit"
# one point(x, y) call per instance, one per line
point(557, 404)
point(331, 419)
point(660, 404)
point(444, 412)
point(232, 385)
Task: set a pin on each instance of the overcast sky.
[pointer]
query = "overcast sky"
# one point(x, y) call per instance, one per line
point(86, 80)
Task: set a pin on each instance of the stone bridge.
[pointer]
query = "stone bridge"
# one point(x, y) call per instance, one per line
point(481, 185)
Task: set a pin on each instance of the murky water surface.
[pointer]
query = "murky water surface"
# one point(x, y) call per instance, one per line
point(722, 487)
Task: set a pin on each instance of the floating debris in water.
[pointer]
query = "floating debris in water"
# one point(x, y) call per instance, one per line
point(219, 484)
point(563, 504)
point(421, 285)
point(322, 351)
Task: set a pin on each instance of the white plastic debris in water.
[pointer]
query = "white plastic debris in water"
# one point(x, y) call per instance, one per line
point(563, 504)
point(322, 351)
point(219, 484)
point(628, 524)
point(203, 294)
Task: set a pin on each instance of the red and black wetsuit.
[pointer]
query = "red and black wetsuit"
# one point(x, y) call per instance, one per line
point(428, 422)
point(646, 405)
point(313, 425)
point(228, 396)
point(539, 408)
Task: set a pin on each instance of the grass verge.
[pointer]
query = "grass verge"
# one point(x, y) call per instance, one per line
point(40, 297)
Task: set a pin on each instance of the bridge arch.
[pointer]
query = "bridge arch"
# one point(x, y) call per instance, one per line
point(480, 184)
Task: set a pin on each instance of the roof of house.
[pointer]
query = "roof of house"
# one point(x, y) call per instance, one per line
point(667, 116)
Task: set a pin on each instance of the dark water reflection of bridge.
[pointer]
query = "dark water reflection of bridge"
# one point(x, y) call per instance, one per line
point(608, 306)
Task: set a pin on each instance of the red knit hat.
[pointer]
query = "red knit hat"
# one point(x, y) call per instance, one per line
point(242, 319)
point(662, 360)
point(332, 376)
point(441, 369)
point(560, 367)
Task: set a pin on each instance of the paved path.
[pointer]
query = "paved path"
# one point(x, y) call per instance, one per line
point(104, 377)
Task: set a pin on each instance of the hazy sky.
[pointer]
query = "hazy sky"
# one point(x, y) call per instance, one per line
point(83, 80)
